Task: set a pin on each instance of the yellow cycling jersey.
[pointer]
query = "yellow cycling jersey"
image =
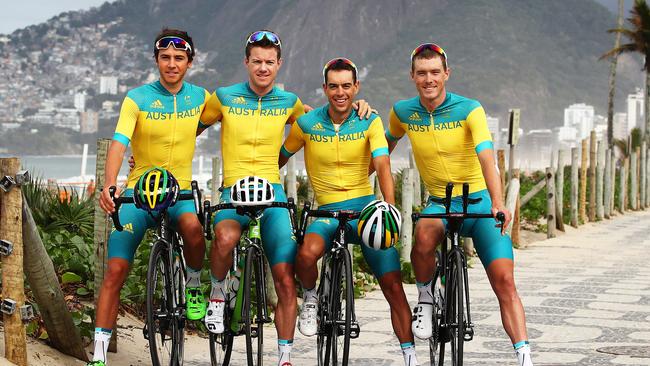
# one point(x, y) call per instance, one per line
point(337, 160)
point(161, 128)
point(445, 142)
point(252, 129)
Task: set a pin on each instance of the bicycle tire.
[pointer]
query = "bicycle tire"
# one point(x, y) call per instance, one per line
point(253, 313)
point(164, 328)
point(456, 309)
point(323, 346)
point(221, 347)
point(438, 303)
point(342, 305)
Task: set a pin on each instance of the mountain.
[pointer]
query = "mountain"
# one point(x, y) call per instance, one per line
point(540, 56)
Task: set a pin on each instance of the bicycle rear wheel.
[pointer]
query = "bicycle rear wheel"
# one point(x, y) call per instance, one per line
point(456, 308)
point(253, 306)
point(438, 302)
point(342, 305)
point(164, 325)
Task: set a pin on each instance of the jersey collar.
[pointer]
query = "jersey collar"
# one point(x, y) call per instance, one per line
point(353, 115)
point(250, 90)
point(161, 89)
point(444, 103)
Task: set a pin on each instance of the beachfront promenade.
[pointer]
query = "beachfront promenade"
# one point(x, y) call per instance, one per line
point(585, 291)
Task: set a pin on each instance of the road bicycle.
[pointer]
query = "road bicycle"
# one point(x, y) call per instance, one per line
point(165, 304)
point(452, 322)
point(337, 322)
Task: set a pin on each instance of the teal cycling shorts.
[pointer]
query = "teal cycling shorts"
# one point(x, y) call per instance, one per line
point(123, 244)
point(278, 239)
point(488, 241)
point(380, 261)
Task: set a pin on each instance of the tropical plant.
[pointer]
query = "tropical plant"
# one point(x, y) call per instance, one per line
point(638, 36)
point(612, 78)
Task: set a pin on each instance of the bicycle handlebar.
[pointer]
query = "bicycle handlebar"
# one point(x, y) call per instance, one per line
point(308, 212)
point(242, 210)
point(501, 217)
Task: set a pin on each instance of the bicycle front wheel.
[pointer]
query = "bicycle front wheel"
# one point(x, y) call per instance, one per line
point(342, 305)
point(456, 309)
point(164, 324)
point(253, 306)
point(221, 346)
point(438, 301)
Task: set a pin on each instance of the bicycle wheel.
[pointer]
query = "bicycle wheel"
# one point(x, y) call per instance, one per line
point(221, 347)
point(438, 303)
point(456, 310)
point(323, 346)
point(164, 328)
point(253, 305)
point(342, 304)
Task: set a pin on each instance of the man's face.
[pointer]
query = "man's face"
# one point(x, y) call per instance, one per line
point(429, 77)
point(172, 65)
point(340, 90)
point(263, 65)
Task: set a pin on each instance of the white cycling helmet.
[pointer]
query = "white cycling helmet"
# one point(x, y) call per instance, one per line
point(252, 191)
point(379, 225)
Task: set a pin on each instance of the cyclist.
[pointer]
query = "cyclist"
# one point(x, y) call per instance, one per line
point(339, 147)
point(451, 143)
point(253, 115)
point(160, 120)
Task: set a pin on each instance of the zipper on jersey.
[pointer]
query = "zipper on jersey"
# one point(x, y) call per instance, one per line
point(171, 148)
point(257, 125)
point(337, 129)
point(435, 138)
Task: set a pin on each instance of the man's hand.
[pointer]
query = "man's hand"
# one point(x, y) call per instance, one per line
point(131, 162)
point(105, 200)
point(307, 108)
point(363, 108)
point(505, 211)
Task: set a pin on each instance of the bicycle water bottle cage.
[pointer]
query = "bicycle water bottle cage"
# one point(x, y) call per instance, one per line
point(252, 191)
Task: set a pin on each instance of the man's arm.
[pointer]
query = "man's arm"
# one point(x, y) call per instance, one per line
point(386, 183)
point(493, 182)
point(113, 163)
point(211, 113)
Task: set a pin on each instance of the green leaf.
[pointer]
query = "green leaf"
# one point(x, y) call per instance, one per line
point(44, 335)
point(82, 291)
point(70, 277)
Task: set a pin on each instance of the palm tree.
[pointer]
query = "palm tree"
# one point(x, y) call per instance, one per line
point(638, 36)
point(612, 79)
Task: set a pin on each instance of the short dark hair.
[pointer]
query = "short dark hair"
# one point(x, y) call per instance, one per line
point(166, 32)
point(341, 66)
point(264, 43)
point(428, 54)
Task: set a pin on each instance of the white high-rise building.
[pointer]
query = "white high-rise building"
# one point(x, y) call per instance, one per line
point(635, 115)
point(620, 126)
point(581, 117)
point(80, 101)
point(493, 126)
point(108, 85)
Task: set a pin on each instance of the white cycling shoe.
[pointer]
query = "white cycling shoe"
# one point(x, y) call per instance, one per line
point(308, 321)
point(214, 316)
point(421, 324)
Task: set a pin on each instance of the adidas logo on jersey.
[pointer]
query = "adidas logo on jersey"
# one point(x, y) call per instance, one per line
point(157, 104)
point(239, 100)
point(415, 117)
point(318, 127)
point(126, 227)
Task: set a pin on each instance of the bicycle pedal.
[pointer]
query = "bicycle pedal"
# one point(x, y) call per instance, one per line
point(469, 333)
point(145, 331)
point(253, 332)
point(355, 330)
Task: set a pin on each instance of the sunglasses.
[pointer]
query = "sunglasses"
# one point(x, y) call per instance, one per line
point(337, 61)
point(260, 35)
point(176, 42)
point(429, 46)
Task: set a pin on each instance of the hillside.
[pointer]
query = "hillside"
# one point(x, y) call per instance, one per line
point(537, 55)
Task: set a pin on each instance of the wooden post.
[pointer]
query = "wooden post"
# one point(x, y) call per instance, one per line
point(600, 174)
point(215, 183)
point(550, 203)
point(647, 178)
point(637, 193)
point(511, 201)
point(417, 187)
point(13, 285)
point(559, 191)
point(582, 204)
point(102, 229)
point(642, 176)
point(574, 187)
point(407, 208)
point(516, 219)
point(622, 186)
point(501, 163)
point(633, 181)
point(608, 185)
point(612, 197)
point(592, 176)
point(291, 187)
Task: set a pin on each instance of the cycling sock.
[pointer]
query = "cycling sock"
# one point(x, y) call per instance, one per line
point(408, 351)
point(102, 339)
point(424, 292)
point(310, 295)
point(522, 350)
point(218, 289)
point(284, 350)
point(193, 277)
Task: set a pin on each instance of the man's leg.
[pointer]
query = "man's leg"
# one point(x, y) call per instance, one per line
point(309, 252)
point(285, 312)
point(194, 251)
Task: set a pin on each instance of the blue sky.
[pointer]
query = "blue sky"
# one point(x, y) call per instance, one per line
point(27, 12)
